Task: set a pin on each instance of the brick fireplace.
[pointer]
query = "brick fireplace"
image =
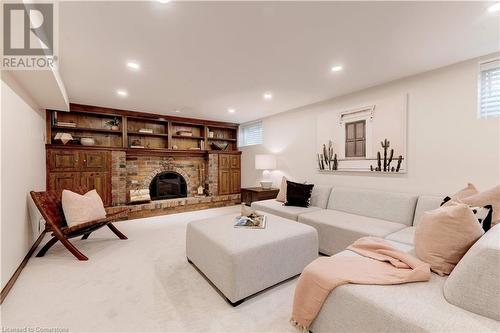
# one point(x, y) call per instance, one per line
point(134, 172)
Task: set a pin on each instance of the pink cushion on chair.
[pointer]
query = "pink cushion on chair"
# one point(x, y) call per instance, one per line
point(80, 209)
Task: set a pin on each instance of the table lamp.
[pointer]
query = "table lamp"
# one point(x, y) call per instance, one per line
point(265, 162)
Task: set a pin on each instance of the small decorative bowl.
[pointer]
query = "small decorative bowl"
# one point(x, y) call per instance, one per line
point(218, 145)
point(87, 141)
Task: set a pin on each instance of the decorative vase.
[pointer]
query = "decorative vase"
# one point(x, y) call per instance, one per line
point(200, 190)
point(115, 128)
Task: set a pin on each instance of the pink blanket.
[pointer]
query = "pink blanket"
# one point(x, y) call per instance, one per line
point(379, 263)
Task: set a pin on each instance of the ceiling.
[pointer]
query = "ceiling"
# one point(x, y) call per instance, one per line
point(204, 57)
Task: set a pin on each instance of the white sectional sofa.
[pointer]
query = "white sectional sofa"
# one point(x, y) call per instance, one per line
point(466, 301)
point(342, 215)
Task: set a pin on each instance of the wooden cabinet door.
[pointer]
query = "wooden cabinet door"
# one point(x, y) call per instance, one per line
point(94, 160)
point(98, 181)
point(229, 174)
point(63, 160)
point(224, 182)
point(235, 181)
point(224, 161)
point(235, 161)
point(59, 181)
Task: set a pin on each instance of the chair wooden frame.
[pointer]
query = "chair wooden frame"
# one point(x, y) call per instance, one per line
point(49, 205)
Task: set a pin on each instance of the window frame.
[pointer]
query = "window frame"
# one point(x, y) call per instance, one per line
point(355, 139)
point(479, 111)
point(242, 142)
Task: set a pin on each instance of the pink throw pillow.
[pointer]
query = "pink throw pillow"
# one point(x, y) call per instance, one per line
point(80, 209)
point(444, 235)
point(282, 193)
point(465, 192)
point(488, 197)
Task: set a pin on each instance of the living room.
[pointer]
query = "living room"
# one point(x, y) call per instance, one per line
point(176, 166)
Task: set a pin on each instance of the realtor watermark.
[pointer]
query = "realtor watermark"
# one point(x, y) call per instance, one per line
point(29, 36)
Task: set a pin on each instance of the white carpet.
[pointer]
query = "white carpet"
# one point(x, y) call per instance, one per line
point(142, 284)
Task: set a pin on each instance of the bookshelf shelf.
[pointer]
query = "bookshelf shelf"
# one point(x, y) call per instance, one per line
point(221, 139)
point(188, 137)
point(148, 134)
point(87, 129)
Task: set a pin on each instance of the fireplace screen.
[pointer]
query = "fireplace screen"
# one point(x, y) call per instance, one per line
point(168, 185)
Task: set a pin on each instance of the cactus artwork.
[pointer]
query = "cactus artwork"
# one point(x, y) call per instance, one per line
point(327, 160)
point(386, 167)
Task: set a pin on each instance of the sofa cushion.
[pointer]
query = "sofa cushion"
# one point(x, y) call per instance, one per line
point(337, 230)
point(424, 204)
point(277, 208)
point(405, 236)
point(394, 207)
point(320, 195)
point(410, 307)
point(475, 292)
point(445, 234)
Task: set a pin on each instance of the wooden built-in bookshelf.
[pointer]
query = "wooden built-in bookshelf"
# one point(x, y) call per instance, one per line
point(139, 131)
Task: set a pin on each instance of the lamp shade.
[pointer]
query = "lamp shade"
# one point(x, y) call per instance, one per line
point(265, 162)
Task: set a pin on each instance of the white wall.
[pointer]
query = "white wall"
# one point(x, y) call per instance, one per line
point(447, 145)
point(22, 170)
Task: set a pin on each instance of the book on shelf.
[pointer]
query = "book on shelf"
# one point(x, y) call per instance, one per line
point(65, 124)
point(146, 130)
point(184, 133)
point(53, 118)
point(133, 146)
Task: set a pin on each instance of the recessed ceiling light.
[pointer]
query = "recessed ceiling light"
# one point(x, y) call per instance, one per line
point(231, 110)
point(177, 111)
point(122, 92)
point(133, 65)
point(268, 96)
point(336, 68)
point(163, 1)
point(494, 8)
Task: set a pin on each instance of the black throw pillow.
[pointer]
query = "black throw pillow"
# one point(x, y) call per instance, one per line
point(298, 194)
point(483, 214)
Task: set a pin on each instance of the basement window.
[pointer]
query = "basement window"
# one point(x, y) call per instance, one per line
point(489, 89)
point(251, 134)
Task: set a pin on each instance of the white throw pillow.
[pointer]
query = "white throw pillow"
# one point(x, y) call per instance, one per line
point(80, 209)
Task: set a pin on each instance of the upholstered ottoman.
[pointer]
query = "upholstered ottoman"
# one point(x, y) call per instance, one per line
point(241, 262)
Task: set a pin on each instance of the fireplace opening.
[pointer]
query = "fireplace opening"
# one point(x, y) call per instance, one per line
point(168, 185)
